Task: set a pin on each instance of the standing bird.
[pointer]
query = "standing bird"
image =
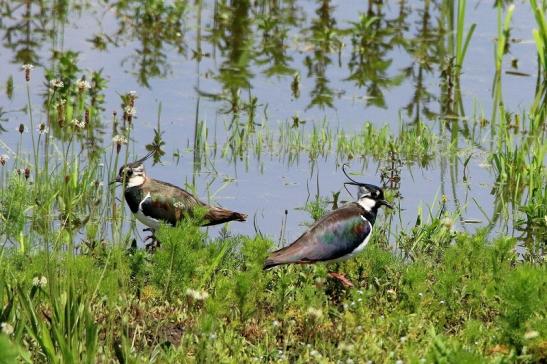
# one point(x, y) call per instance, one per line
point(339, 235)
point(153, 201)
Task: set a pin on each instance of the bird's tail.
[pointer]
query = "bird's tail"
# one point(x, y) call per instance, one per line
point(270, 263)
point(218, 215)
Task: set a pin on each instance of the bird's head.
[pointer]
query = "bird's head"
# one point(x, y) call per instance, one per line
point(132, 174)
point(370, 197)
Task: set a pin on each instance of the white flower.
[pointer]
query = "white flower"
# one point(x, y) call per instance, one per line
point(346, 347)
point(42, 129)
point(119, 139)
point(447, 222)
point(531, 335)
point(6, 328)
point(399, 362)
point(40, 282)
point(130, 111)
point(55, 83)
point(28, 67)
point(3, 159)
point(315, 353)
point(403, 339)
point(276, 323)
point(315, 313)
point(441, 302)
point(420, 294)
point(83, 85)
point(197, 295)
point(78, 124)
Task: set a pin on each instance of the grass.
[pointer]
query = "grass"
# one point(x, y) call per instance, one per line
point(198, 300)
point(73, 288)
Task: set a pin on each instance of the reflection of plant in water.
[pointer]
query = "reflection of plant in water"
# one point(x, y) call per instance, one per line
point(371, 39)
point(425, 51)
point(274, 24)
point(232, 34)
point(29, 31)
point(155, 24)
point(324, 39)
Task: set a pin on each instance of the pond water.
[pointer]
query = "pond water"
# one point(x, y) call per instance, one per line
point(357, 62)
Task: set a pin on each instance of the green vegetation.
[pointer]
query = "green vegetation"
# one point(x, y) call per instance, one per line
point(200, 300)
point(76, 287)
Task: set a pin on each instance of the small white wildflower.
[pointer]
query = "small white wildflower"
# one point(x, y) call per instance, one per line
point(119, 139)
point(130, 111)
point(276, 323)
point(28, 67)
point(420, 294)
point(179, 205)
point(403, 339)
point(42, 129)
point(40, 282)
point(315, 353)
point(346, 347)
point(531, 335)
point(78, 124)
point(447, 223)
point(197, 295)
point(83, 85)
point(55, 83)
point(3, 159)
point(314, 313)
point(360, 292)
point(441, 302)
point(349, 361)
point(6, 328)
point(213, 336)
point(399, 362)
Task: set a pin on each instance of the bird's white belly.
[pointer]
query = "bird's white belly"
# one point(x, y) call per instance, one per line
point(147, 220)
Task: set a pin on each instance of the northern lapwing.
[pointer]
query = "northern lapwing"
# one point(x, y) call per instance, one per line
point(339, 235)
point(153, 201)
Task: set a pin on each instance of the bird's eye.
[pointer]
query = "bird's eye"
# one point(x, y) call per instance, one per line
point(130, 172)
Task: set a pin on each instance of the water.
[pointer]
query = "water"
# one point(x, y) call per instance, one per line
point(320, 50)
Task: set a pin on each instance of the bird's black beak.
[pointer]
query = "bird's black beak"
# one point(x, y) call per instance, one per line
point(385, 203)
point(116, 180)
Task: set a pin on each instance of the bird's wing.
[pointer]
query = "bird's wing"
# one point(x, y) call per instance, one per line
point(167, 202)
point(336, 234)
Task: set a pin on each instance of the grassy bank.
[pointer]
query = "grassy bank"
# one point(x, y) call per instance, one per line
point(455, 298)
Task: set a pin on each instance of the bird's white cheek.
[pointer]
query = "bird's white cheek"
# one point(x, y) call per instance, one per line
point(135, 181)
point(367, 203)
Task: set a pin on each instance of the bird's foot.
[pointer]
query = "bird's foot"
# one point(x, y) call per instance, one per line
point(153, 245)
point(342, 279)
